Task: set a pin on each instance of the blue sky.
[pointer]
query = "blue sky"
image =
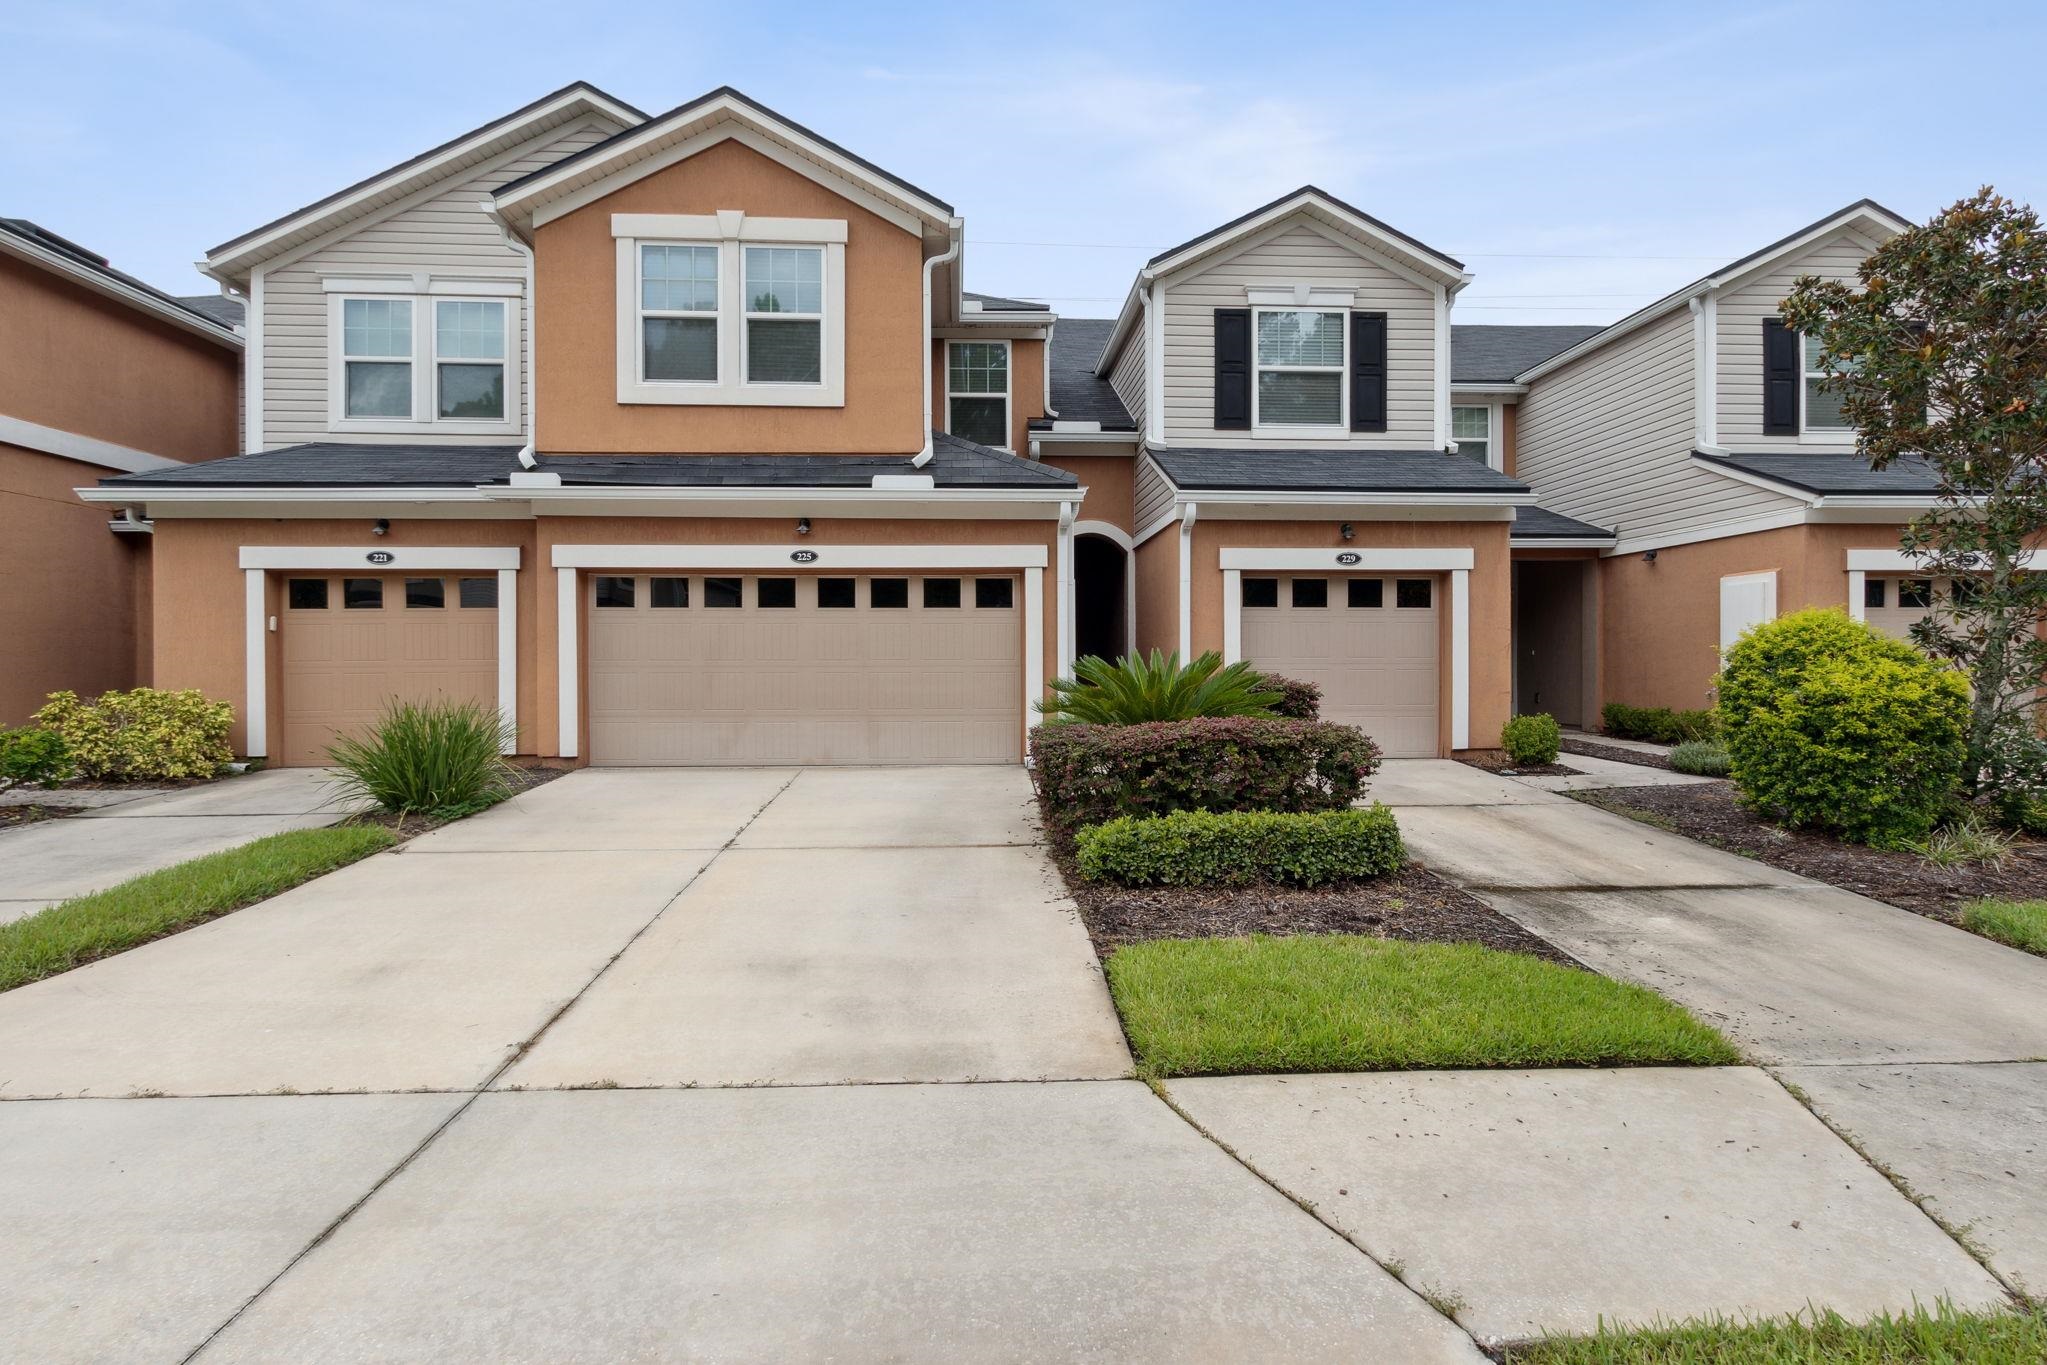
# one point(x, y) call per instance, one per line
point(1580, 159)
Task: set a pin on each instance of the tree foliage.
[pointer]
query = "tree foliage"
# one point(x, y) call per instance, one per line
point(1940, 353)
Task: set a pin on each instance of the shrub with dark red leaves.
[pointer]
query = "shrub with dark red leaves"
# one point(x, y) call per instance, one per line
point(1090, 773)
point(1297, 699)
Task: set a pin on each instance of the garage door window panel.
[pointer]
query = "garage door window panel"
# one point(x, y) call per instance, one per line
point(477, 594)
point(1873, 592)
point(1261, 592)
point(425, 593)
point(724, 594)
point(1414, 593)
point(1368, 594)
point(1310, 592)
point(994, 594)
point(941, 592)
point(888, 594)
point(837, 594)
point(362, 594)
point(775, 593)
point(614, 592)
point(668, 594)
point(307, 594)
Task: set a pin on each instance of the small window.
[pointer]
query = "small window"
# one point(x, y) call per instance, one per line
point(836, 593)
point(469, 359)
point(1413, 592)
point(1472, 429)
point(994, 593)
point(1966, 589)
point(941, 592)
point(376, 351)
point(977, 391)
point(426, 592)
point(614, 591)
point(307, 594)
point(1872, 592)
point(362, 593)
point(722, 592)
point(1311, 592)
point(668, 593)
point(1915, 592)
point(1367, 592)
point(888, 592)
point(774, 592)
point(679, 314)
point(1822, 410)
point(1261, 592)
point(479, 592)
point(1300, 368)
point(784, 315)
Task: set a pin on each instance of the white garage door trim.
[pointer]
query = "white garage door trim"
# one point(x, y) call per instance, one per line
point(1862, 563)
point(1456, 562)
point(257, 561)
point(571, 560)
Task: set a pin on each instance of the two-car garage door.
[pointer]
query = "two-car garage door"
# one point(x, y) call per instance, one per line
point(692, 668)
point(1370, 642)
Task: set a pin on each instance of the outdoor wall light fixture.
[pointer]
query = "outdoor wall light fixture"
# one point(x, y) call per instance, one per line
point(803, 526)
point(381, 526)
point(1348, 531)
point(1649, 556)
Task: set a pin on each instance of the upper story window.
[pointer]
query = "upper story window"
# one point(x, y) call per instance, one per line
point(469, 359)
point(679, 314)
point(1301, 362)
point(1472, 429)
point(376, 345)
point(1822, 411)
point(977, 391)
point(422, 362)
point(784, 315)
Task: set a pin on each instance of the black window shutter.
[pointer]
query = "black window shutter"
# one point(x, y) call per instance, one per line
point(1368, 372)
point(1233, 369)
point(1782, 375)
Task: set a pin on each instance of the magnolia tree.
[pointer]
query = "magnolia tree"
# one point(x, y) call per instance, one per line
point(1940, 354)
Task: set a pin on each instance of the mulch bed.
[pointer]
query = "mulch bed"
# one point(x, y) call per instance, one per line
point(1496, 761)
point(13, 816)
point(1412, 905)
point(1709, 813)
point(1592, 748)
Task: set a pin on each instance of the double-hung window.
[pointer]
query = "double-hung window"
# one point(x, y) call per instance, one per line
point(1472, 429)
point(1822, 411)
point(784, 315)
point(412, 359)
point(469, 360)
point(977, 391)
point(679, 314)
point(1301, 355)
point(376, 350)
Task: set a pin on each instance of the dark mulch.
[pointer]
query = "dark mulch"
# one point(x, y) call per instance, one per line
point(1412, 905)
point(411, 826)
point(1592, 748)
point(1496, 761)
point(1709, 813)
point(12, 816)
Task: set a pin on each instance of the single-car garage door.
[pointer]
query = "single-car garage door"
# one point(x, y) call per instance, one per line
point(715, 668)
point(352, 645)
point(1370, 643)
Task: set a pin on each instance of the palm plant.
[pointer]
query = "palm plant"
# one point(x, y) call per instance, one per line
point(1133, 690)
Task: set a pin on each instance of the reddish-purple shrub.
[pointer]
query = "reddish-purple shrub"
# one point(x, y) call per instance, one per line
point(1297, 699)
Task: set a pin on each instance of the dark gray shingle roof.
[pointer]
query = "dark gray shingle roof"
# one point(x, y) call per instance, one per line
point(1078, 395)
point(954, 464)
point(1830, 472)
point(1331, 471)
point(1539, 523)
point(1489, 353)
point(91, 260)
point(995, 303)
point(222, 309)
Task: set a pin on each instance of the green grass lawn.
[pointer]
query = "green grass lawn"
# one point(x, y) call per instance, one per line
point(1338, 1002)
point(2022, 924)
point(86, 928)
point(1942, 1336)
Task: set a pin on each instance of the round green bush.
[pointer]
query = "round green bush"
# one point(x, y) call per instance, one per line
point(1531, 740)
point(1700, 758)
point(1833, 725)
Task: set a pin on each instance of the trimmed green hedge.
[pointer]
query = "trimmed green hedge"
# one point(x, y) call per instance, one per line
point(1203, 848)
point(1658, 724)
point(1090, 773)
point(1532, 740)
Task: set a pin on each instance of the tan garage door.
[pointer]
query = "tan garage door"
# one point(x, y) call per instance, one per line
point(352, 644)
point(1370, 643)
point(709, 669)
point(1895, 605)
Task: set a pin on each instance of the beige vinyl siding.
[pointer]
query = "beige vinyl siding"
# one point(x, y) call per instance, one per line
point(445, 232)
point(1127, 376)
point(1300, 255)
point(1608, 439)
point(1741, 312)
point(1151, 495)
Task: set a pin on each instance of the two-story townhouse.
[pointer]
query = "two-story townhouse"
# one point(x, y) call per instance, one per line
point(99, 374)
point(675, 439)
point(1696, 430)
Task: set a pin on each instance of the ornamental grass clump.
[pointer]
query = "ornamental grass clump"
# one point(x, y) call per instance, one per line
point(436, 758)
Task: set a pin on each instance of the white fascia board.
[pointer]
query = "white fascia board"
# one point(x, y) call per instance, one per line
point(106, 285)
point(996, 327)
point(1797, 494)
point(576, 556)
point(1457, 389)
point(1403, 252)
point(69, 445)
point(1641, 317)
point(478, 557)
point(1851, 507)
point(158, 493)
point(1560, 542)
point(1887, 227)
point(1439, 560)
point(1291, 498)
point(1125, 319)
point(1883, 561)
point(672, 493)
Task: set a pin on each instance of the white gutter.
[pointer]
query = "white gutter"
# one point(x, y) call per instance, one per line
point(956, 227)
point(526, 460)
point(1064, 587)
point(1187, 515)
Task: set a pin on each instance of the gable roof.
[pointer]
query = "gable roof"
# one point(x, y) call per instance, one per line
point(39, 246)
point(234, 258)
point(645, 148)
point(1493, 353)
point(1865, 211)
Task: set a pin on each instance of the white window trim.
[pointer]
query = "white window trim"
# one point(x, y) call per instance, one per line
point(425, 390)
point(1494, 456)
point(1008, 382)
point(503, 362)
point(1807, 435)
point(729, 230)
point(1341, 427)
point(749, 316)
point(260, 561)
point(1456, 562)
point(641, 313)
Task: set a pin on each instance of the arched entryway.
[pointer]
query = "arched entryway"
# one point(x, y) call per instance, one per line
point(1101, 593)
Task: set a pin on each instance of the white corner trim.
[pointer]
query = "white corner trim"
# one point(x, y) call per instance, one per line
point(1033, 643)
point(1460, 658)
point(819, 557)
point(254, 373)
point(1187, 514)
point(1706, 369)
point(1446, 560)
point(255, 669)
point(1064, 590)
point(1442, 351)
point(69, 445)
point(401, 557)
point(1233, 615)
point(567, 631)
point(1155, 364)
point(508, 656)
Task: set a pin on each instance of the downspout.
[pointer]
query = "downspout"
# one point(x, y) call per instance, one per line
point(527, 387)
point(951, 253)
point(1187, 582)
point(1067, 512)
